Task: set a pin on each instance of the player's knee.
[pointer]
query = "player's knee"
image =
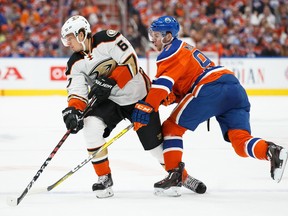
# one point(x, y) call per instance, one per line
point(169, 127)
point(238, 139)
point(93, 132)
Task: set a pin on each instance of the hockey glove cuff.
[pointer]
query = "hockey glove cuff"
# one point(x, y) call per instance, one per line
point(141, 114)
point(72, 119)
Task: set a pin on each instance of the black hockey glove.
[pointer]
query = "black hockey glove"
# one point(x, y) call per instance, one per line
point(72, 119)
point(108, 130)
point(102, 88)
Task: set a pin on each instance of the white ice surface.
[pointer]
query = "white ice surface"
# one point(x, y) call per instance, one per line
point(30, 128)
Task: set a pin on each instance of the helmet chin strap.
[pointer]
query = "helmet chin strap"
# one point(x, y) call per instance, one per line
point(83, 45)
point(164, 44)
point(82, 42)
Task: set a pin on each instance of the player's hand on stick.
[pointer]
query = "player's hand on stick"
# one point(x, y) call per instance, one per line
point(102, 88)
point(141, 114)
point(73, 119)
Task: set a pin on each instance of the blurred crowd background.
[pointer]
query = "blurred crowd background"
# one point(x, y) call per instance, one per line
point(232, 28)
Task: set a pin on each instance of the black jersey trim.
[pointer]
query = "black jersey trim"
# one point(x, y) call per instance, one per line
point(104, 37)
point(76, 56)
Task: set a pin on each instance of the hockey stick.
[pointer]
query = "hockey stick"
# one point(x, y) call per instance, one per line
point(105, 146)
point(14, 201)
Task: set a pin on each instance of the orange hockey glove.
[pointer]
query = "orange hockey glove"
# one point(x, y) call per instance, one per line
point(169, 99)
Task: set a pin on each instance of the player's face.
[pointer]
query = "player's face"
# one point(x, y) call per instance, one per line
point(156, 38)
point(72, 42)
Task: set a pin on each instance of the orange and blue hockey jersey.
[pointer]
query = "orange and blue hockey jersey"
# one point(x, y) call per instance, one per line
point(180, 67)
point(197, 84)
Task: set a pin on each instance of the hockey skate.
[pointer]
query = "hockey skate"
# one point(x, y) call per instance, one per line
point(277, 156)
point(103, 188)
point(195, 185)
point(170, 186)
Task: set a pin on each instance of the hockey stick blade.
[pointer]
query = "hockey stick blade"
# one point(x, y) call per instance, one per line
point(71, 172)
point(14, 201)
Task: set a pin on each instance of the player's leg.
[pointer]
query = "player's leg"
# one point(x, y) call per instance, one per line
point(93, 134)
point(151, 137)
point(103, 116)
point(235, 127)
point(177, 175)
point(247, 146)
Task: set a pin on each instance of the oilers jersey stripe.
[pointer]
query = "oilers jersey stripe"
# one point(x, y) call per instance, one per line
point(172, 137)
point(204, 74)
point(197, 90)
point(250, 145)
point(175, 142)
point(181, 106)
point(172, 149)
point(163, 82)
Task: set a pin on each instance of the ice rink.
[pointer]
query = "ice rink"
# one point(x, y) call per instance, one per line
point(30, 128)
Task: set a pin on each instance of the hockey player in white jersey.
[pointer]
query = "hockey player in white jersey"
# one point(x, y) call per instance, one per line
point(107, 63)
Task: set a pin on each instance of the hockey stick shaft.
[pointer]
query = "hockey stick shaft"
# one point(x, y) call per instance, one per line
point(105, 146)
point(19, 199)
point(55, 150)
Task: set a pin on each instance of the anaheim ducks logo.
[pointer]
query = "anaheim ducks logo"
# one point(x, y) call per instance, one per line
point(104, 68)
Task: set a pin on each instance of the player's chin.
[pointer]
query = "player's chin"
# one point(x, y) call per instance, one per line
point(74, 49)
point(158, 48)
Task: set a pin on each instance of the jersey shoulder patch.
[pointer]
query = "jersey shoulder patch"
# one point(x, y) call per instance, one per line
point(105, 36)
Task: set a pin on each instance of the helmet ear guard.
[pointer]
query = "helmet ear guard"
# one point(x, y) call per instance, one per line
point(74, 25)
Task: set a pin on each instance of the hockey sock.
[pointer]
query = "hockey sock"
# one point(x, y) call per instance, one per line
point(247, 146)
point(172, 159)
point(101, 168)
point(257, 148)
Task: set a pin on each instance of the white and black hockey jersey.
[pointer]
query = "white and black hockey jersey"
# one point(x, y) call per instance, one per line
point(111, 55)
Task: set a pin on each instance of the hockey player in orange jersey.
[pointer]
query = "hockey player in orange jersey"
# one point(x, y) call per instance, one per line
point(202, 90)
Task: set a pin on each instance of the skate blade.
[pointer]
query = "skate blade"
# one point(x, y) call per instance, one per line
point(172, 192)
point(108, 192)
point(279, 171)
